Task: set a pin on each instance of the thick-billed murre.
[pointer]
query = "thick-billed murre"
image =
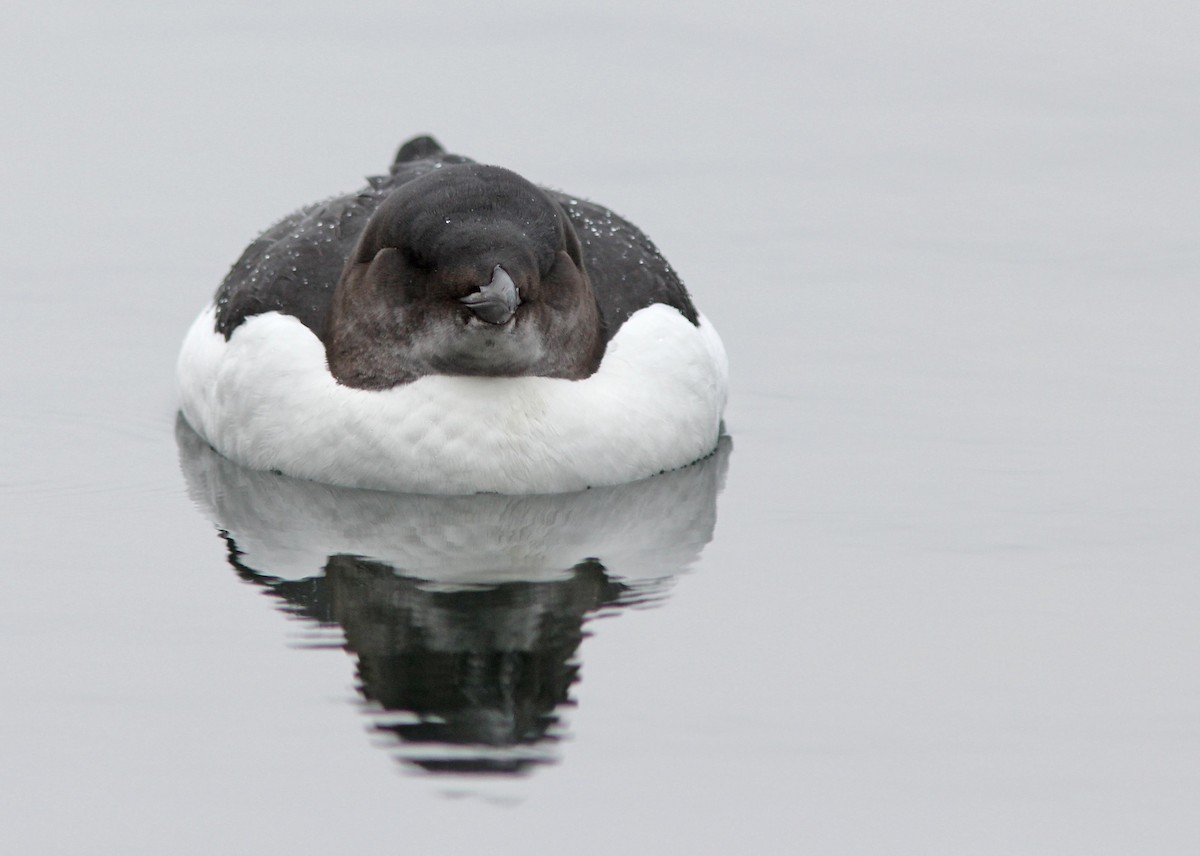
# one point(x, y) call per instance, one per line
point(453, 328)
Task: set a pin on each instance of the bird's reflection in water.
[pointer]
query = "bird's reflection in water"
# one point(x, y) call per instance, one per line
point(465, 614)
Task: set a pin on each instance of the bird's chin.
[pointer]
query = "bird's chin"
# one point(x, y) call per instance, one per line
point(481, 348)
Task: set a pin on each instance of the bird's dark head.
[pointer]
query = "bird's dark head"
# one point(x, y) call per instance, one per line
point(465, 270)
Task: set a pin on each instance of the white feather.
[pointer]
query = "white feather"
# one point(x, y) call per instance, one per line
point(265, 398)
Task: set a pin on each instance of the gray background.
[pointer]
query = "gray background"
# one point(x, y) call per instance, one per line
point(950, 606)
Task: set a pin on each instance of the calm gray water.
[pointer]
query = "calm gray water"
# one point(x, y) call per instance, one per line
point(939, 595)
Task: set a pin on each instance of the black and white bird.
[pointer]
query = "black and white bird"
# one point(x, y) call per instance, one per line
point(453, 328)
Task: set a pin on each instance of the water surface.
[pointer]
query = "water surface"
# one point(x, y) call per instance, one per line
point(940, 597)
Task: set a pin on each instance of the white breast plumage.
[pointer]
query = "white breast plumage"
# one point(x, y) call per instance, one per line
point(266, 399)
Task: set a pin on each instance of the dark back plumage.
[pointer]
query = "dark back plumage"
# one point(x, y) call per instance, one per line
point(294, 266)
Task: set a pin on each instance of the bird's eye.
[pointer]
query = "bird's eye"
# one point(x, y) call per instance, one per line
point(417, 259)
